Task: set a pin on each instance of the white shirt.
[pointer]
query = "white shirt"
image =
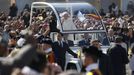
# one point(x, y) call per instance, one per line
point(60, 43)
point(92, 67)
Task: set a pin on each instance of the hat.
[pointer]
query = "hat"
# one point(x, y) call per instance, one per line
point(64, 13)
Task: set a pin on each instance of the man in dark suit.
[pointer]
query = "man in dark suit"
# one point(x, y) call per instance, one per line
point(13, 10)
point(68, 41)
point(60, 48)
point(91, 57)
point(105, 65)
point(110, 38)
point(118, 57)
point(85, 41)
point(53, 22)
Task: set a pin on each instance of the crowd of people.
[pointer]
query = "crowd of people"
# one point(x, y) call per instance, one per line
point(27, 49)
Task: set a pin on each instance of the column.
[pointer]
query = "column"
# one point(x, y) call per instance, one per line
point(4, 5)
point(98, 4)
point(124, 4)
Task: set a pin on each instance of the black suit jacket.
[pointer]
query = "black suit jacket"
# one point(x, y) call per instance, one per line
point(119, 59)
point(105, 65)
point(70, 42)
point(60, 53)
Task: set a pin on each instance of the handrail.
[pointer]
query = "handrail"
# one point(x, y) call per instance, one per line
point(90, 31)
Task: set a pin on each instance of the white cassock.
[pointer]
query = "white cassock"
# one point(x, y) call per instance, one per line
point(68, 24)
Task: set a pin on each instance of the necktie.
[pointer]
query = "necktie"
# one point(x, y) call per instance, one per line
point(112, 39)
point(60, 44)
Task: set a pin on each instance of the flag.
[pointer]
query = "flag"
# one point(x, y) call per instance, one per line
point(80, 16)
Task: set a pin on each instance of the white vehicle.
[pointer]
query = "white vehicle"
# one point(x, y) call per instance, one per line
point(76, 21)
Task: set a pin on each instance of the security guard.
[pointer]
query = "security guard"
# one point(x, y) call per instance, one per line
point(91, 60)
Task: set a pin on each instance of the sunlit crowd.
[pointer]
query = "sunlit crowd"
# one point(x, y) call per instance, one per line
point(26, 47)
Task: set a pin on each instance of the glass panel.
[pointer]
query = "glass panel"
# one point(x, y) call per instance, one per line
point(44, 17)
point(78, 16)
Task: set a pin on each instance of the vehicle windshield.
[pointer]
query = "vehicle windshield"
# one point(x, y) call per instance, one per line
point(73, 19)
point(78, 16)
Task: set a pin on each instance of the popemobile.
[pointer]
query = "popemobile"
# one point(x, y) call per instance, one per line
point(78, 22)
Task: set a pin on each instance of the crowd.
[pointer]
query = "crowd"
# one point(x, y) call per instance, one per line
point(27, 49)
point(119, 24)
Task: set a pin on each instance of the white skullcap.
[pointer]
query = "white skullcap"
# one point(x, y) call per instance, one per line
point(64, 13)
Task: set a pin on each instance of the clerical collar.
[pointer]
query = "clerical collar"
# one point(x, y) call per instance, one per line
point(92, 67)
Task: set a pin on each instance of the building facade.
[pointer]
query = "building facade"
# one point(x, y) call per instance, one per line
point(4, 5)
point(122, 4)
